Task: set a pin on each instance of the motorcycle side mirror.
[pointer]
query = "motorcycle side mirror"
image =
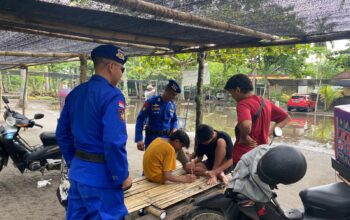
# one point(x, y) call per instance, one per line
point(5, 99)
point(277, 132)
point(38, 116)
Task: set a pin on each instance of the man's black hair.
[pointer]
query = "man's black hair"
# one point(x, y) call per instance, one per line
point(204, 133)
point(241, 81)
point(182, 136)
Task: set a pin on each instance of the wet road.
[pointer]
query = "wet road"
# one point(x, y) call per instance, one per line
point(305, 129)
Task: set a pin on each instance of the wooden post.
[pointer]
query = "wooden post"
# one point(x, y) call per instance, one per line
point(47, 82)
point(141, 93)
point(25, 90)
point(8, 83)
point(125, 84)
point(83, 68)
point(23, 95)
point(1, 82)
point(199, 98)
point(136, 88)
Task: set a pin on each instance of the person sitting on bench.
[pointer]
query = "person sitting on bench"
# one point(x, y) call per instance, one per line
point(159, 159)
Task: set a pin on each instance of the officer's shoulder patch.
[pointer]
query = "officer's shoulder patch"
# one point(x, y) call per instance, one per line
point(121, 112)
point(121, 104)
point(145, 106)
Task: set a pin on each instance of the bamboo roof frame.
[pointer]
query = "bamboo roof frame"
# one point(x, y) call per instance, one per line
point(14, 22)
point(37, 54)
point(164, 12)
point(86, 39)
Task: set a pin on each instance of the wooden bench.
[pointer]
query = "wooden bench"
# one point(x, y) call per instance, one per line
point(145, 194)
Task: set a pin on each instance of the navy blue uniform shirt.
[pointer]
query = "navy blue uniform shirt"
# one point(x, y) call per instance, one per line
point(93, 120)
point(161, 116)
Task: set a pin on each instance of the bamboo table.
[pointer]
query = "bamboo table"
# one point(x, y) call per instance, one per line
point(156, 198)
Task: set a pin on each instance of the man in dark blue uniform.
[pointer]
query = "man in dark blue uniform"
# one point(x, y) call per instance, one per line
point(161, 114)
point(92, 136)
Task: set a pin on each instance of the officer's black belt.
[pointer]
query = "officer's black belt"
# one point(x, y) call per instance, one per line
point(91, 157)
point(160, 132)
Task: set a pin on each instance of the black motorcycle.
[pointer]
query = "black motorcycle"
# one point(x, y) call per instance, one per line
point(328, 202)
point(35, 158)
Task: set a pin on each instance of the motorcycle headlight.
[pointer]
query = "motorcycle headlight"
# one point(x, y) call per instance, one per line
point(11, 121)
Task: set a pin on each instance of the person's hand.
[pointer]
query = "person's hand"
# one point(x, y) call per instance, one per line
point(212, 180)
point(271, 130)
point(190, 166)
point(190, 178)
point(212, 177)
point(140, 145)
point(248, 141)
point(223, 178)
point(193, 155)
point(127, 183)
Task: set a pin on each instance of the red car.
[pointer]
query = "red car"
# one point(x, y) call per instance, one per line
point(301, 103)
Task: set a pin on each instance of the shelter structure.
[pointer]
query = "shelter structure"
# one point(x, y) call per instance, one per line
point(34, 32)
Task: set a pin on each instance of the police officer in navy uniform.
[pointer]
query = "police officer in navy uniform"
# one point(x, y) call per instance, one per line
point(161, 113)
point(91, 133)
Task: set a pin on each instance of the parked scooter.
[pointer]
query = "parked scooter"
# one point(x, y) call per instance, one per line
point(24, 156)
point(280, 164)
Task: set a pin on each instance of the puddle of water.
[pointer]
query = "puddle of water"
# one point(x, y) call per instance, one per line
point(304, 129)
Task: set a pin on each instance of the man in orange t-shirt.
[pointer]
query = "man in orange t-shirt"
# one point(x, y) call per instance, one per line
point(252, 128)
point(159, 159)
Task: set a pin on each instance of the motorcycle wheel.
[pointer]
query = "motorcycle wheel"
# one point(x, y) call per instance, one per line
point(205, 214)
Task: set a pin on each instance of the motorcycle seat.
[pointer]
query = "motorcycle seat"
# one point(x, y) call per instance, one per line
point(48, 138)
point(328, 201)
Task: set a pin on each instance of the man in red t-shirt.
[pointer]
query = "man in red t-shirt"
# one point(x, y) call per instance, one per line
point(252, 129)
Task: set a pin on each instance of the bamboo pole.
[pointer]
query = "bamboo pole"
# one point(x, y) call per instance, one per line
point(199, 98)
point(13, 65)
point(86, 39)
point(161, 11)
point(83, 69)
point(37, 54)
point(304, 40)
point(156, 212)
point(57, 27)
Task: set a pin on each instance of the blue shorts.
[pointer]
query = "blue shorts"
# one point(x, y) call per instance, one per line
point(93, 203)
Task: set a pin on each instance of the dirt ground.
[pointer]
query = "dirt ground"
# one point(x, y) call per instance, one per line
point(21, 199)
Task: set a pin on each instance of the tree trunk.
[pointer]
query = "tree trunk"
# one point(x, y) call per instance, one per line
point(9, 83)
point(182, 95)
point(141, 93)
point(325, 99)
point(199, 98)
point(318, 95)
point(47, 83)
point(83, 69)
point(5, 83)
point(136, 89)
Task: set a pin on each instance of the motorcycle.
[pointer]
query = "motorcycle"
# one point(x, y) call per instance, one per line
point(34, 158)
point(320, 203)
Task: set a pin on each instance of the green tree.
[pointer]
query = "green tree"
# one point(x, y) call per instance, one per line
point(157, 67)
point(329, 95)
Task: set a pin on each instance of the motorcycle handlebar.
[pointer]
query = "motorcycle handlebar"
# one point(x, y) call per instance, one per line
point(40, 126)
